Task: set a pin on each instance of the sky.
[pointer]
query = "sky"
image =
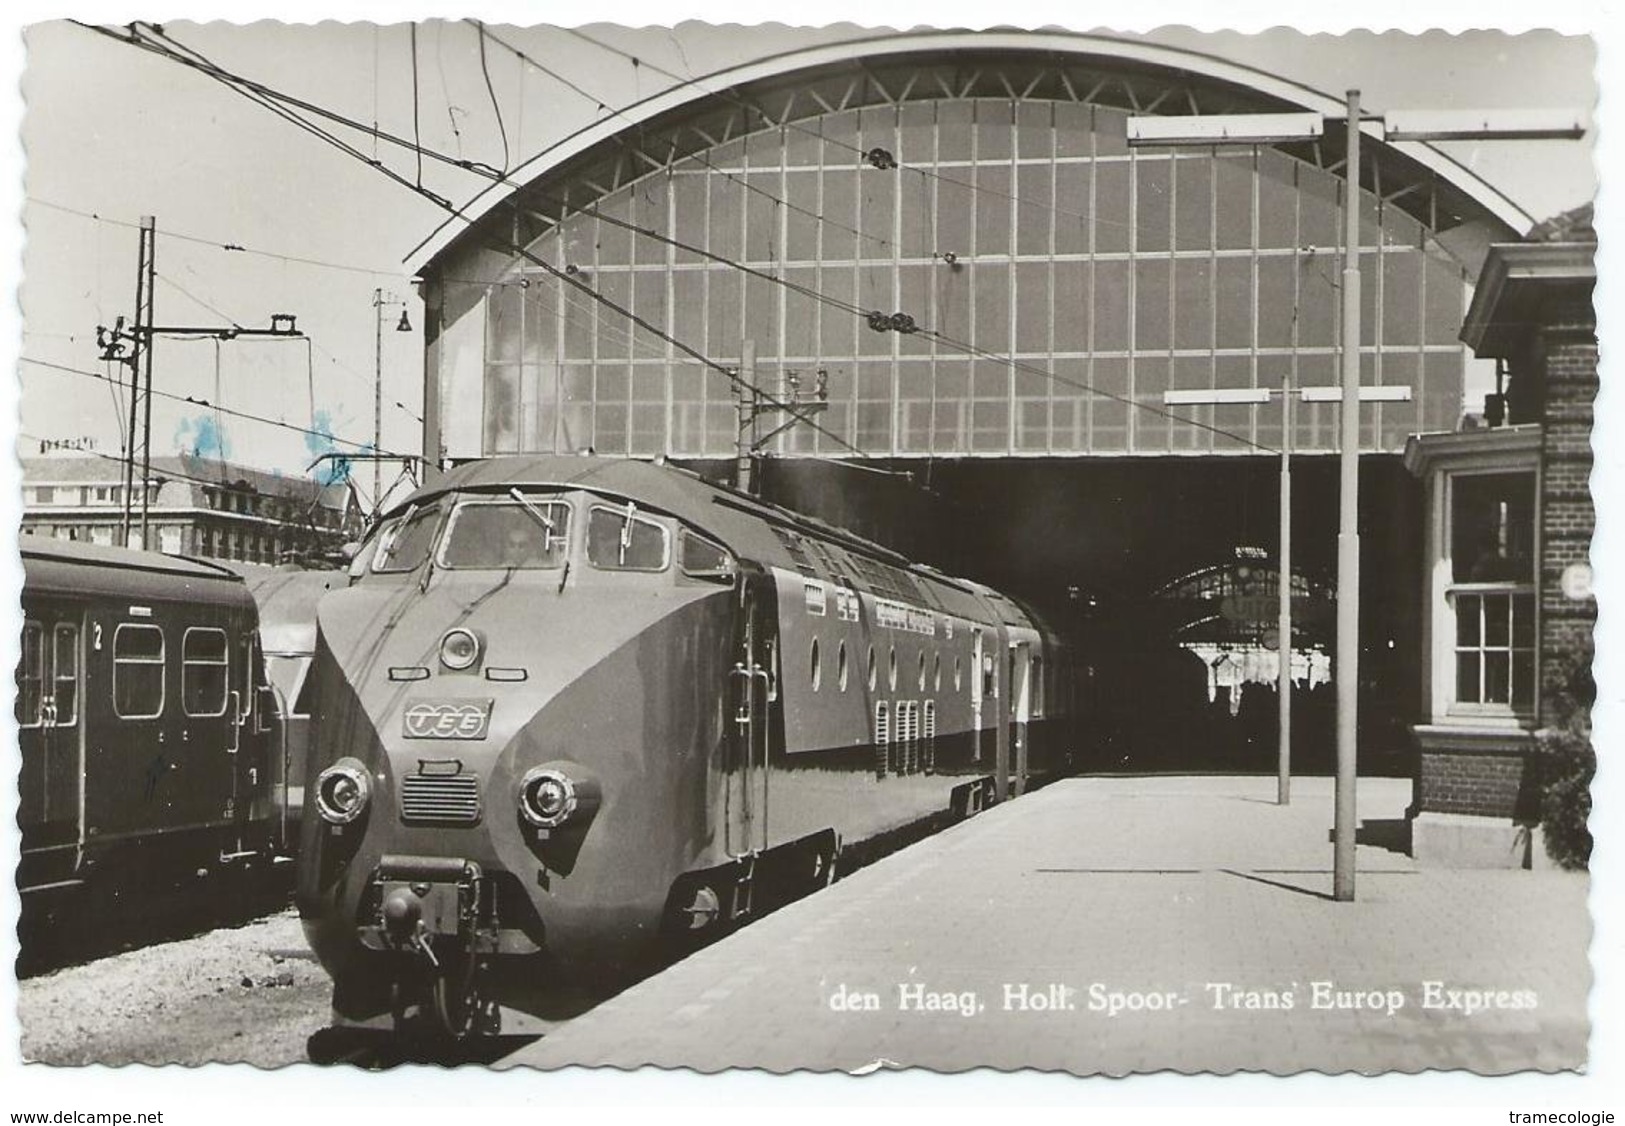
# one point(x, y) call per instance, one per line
point(116, 134)
point(256, 218)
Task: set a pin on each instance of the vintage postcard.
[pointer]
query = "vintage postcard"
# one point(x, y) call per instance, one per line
point(808, 550)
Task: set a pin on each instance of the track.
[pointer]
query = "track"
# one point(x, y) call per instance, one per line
point(379, 1051)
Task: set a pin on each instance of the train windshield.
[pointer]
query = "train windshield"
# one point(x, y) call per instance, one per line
point(404, 544)
point(518, 533)
point(618, 539)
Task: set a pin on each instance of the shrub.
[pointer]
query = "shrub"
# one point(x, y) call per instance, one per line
point(1565, 765)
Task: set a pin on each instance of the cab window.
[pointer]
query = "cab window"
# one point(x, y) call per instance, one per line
point(514, 534)
point(699, 558)
point(138, 671)
point(405, 543)
point(618, 539)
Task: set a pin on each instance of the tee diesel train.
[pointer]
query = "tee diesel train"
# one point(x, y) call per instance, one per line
point(578, 715)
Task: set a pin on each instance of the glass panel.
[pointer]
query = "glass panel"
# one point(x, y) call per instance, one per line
point(1111, 306)
point(992, 307)
point(1153, 204)
point(31, 676)
point(1193, 303)
point(1401, 298)
point(1071, 306)
point(649, 210)
point(1277, 200)
point(203, 672)
point(406, 542)
point(700, 558)
point(1497, 621)
point(1467, 682)
point(65, 675)
point(138, 671)
point(1032, 307)
point(1113, 220)
point(1444, 296)
point(1151, 328)
point(506, 534)
point(1523, 621)
point(1467, 620)
point(993, 130)
point(1233, 178)
point(1497, 677)
point(619, 540)
point(1193, 204)
point(1492, 527)
point(1276, 301)
point(1235, 303)
point(1523, 680)
point(801, 219)
point(993, 209)
point(1072, 209)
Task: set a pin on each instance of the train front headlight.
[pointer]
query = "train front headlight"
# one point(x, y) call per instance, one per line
point(459, 649)
point(342, 792)
point(554, 794)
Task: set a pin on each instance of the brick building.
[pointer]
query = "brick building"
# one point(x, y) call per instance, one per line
point(196, 506)
point(1509, 520)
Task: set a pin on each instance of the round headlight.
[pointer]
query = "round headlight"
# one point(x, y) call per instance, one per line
point(459, 649)
point(342, 791)
point(547, 797)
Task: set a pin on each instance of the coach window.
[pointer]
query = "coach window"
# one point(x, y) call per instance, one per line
point(840, 666)
point(138, 671)
point(404, 544)
point(871, 668)
point(618, 539)
point(204, 667)
point(65, 675)
point(922, 670)
point(936, 674)
point(816, 669)
point(31, 676)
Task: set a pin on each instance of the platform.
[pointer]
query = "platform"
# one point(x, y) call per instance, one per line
point(1121, 925)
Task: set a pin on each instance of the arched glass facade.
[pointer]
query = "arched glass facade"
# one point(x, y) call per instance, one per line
point(1062, 283)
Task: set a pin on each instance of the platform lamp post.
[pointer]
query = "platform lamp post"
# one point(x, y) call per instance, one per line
point(1283, 565)
point(381, 300)
point(1274, 128)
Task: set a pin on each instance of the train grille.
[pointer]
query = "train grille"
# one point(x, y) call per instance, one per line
point(447, 798)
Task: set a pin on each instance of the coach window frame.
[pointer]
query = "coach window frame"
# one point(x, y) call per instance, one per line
point(189, 663)
point(58, 718)
point(162, 662)
point(37, 719)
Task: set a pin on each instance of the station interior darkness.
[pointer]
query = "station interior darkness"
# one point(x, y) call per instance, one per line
point(1088, 544)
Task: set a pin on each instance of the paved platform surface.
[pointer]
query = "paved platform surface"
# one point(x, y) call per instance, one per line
point(1190, 905)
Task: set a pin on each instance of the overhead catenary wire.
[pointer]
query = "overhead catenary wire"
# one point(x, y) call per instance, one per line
point(233, 81)
point(206, 404)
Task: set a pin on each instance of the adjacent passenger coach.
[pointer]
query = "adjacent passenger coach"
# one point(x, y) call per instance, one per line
point(145, 760)
point(578, 714)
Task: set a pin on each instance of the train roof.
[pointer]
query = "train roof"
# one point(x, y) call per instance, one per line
point(81, 568)
point(729, 515)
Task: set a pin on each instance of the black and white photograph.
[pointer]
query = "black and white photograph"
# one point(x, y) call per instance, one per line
point(658, 556)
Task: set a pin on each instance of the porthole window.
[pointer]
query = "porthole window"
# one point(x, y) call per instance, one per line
point(891, 669)
point(871, 668)
point(816, 672)
point(922, 670)
point(840, 666)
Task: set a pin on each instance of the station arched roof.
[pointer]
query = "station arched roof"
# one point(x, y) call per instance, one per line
point(1133, 76)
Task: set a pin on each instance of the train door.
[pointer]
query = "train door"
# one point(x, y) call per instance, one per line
point(250, 743)
point(751, 691)
point(1020, 689)
point(162, 761)
point(50, 722)
point(976, 655)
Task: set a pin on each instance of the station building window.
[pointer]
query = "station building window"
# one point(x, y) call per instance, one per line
point(1492, 589)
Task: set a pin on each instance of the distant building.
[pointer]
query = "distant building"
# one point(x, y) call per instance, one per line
point(197, 506)
point(1507, 633)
